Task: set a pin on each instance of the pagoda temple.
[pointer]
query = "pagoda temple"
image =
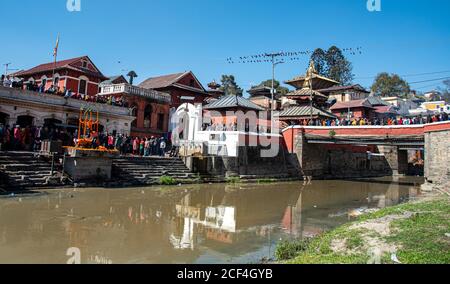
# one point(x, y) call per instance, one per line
point(214, 90)
point(306, 101)
point(262, 96)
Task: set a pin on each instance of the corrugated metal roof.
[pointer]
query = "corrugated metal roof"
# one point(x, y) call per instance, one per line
point(356, 87)
point(352, 104)
point(300, 111)
point(377, 101)
point(305, 92)
point(233, 102)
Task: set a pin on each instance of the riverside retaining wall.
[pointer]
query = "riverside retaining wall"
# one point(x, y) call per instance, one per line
point(437, 154)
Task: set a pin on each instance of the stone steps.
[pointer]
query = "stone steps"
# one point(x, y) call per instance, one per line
point(148, 170)
point(27, 170)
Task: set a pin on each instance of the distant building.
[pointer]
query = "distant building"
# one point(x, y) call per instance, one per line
point(182, 87)
point(80, 75)
point(262, 96)
point(433, 95)
point(214, 90)
point(403, 106)
point(371, 107)
point(346, 93)
point(435, 106)
point(353, 109)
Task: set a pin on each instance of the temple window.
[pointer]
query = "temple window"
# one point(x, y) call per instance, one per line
point(148, 116)
point(134, 113)
point(160, 121)
point(82, 87)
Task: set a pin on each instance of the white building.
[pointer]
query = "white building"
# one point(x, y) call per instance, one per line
point(26, 108)
point(403, 106)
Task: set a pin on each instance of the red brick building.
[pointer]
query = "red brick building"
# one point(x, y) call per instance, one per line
point(183, 88)
point(150, 108)
point(80, 75)
point(353, 109)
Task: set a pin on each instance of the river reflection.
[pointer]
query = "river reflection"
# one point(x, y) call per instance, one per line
point(189, 224)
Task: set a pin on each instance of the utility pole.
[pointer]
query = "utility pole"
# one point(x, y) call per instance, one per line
point(6, 68)
point(311, 100)
point(272, 91)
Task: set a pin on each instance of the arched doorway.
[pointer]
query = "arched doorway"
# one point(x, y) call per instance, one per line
point(25, 121)
point(134, 113)
point(184, 126)
point(4, 118)
point(148, 116)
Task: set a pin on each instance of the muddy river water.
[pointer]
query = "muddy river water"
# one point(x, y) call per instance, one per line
point(183, 224)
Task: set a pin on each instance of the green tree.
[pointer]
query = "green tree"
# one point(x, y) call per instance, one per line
point(230, 87)
point(333, 64)
point(446, 91)
point(338, 67)
point(281, 91)
point(319, 57)
point(389, 85)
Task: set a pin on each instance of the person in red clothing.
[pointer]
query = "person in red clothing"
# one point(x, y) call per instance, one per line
point(17, 137)
point(110, 141)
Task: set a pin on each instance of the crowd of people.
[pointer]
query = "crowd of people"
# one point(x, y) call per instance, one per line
point(7, 82)
point(30, 139)
point(127, 145)
point(416, 120)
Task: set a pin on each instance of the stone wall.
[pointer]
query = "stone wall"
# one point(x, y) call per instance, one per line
point(437, 158)
point(323, 161)
point(248, 163)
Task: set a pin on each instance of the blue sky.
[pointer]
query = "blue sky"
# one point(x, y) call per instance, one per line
point(155, 37)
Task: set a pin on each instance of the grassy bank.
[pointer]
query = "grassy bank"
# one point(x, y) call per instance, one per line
point(412, 233)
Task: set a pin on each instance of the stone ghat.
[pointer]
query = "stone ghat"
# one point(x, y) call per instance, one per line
point(142, 171)
point(22, 170)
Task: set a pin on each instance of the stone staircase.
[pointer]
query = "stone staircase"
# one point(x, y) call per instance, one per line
point(129, 171)
point(22, 170)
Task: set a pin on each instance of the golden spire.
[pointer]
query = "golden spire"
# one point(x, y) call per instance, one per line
point(309, 75)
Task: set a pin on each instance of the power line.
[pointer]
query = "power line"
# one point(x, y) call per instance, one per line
point(284, 56)
point(425, 87)
point(431, 80)
point(409, 75)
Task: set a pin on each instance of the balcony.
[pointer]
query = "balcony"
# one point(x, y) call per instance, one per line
point(29, 97)
point(108, 90)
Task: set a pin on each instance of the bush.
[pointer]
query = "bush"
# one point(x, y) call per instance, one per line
point(233, 179)
point(166, 180)
point(332, 134)
point(290, 249)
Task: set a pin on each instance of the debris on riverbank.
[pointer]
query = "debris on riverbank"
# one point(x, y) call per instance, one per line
point(412, 233)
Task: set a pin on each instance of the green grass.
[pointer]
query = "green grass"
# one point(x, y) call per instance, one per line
point(233, 180)
point(166, 180)
point(420, 239)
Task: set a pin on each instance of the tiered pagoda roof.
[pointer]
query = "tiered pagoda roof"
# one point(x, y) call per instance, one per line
point(308, 84)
